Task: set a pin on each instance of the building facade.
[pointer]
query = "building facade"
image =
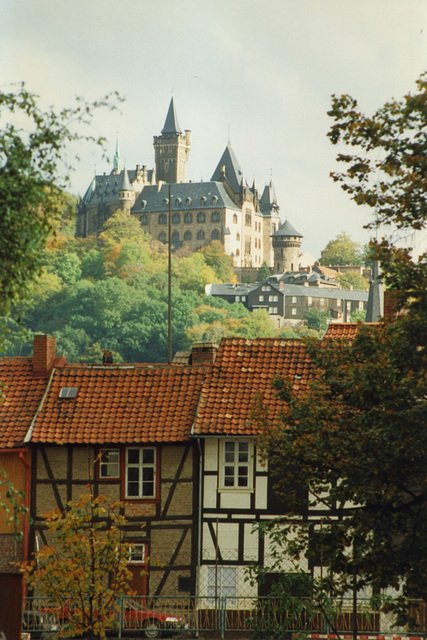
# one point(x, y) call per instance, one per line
point(225, 208)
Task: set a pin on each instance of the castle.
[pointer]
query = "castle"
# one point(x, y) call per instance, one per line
point(224, 209)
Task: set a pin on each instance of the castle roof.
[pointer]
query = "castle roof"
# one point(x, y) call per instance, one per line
point(268, 199)
point(125, 184)
point(105, 188)
point(171, 122)
point(286, 230)
point(233, 172)
point(191, 195)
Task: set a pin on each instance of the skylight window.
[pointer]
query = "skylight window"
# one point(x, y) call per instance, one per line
point(68, 392)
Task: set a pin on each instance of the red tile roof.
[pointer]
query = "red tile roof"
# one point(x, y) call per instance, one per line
point(23, 393)
point(243, 369)
point(345, 330)
point(120, 404)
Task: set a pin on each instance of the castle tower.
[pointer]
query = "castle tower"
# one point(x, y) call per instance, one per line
point(126, 192)
point(171, 149)
point(286, 247)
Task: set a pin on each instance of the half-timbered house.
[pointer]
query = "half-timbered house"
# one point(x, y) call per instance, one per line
point(124, 430)
point(237, 491)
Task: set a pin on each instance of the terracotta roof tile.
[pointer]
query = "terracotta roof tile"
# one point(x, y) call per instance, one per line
point(119, 404)
point(345, 330)
point(243, 370)
point(23, 393)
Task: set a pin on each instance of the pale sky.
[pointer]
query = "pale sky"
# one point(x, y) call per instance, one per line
point(259, 71)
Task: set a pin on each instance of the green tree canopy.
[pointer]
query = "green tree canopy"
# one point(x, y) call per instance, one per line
point(341, 251)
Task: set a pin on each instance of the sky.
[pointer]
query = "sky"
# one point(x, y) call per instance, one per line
point(259, 73)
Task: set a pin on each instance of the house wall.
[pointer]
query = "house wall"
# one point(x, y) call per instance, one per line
point(165, 524)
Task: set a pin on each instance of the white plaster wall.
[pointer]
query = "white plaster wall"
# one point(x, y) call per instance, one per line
point(211, 454)
point(235, 499)
point(209, 492)
point(261, 492)
point(250, 552)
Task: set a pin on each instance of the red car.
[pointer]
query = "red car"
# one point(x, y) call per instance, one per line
point(133, 619)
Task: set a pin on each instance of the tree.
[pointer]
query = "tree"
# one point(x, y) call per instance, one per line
point(263, 272)
point(316, 319)
point(351, 280)
point(33, 146)
point(341, 251)
point(357, 437)
point(216, 258)
point(85, 568)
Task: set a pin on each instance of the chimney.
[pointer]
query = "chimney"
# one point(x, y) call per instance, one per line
point(204, 353)
point(44, 350)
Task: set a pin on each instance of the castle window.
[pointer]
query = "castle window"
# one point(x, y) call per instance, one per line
point(214, 199)
point(175, 237)
point(238, 237)
point(234, 218)
point(248, 219)
point(162, 236)
point(215, 216)
point(215, 234)
point(162, 219)
point(144, 218)
point(176, 218)
point(237, 252)
point(201, 217)
point(188, 201)
point(188, 218)
point(200, 235)
point(188, 236)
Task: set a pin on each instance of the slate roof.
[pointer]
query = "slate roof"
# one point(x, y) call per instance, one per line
point(171, 123)
point(23, 393)
point(120, 404)
point(286, 230)
point(105, 188)
point(185, 195)
point(242, 369)
point(233, 172)
point(218, 289)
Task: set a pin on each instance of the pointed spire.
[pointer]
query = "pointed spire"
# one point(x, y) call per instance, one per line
point(233, 171)
point(116, 159)
point(287, 230)
point(90, 191)
point(171, 122)
point(125, 184)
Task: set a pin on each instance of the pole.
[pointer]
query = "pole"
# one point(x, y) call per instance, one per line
point(354, 591)
point(170, 279)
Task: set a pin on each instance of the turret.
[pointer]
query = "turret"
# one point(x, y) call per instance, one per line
point(126, 191)
point(286, 247)
point(171, 149)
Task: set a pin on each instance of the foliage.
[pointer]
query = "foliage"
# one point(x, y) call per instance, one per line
point(351, 280)
point(316, 319)
point(263, 272)
point(220, 262)
point(12, 502)
point(85, 568)
point(341, 251)
point(358, 315)
point(33, 143)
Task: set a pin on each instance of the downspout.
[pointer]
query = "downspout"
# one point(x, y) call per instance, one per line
point(27, 501)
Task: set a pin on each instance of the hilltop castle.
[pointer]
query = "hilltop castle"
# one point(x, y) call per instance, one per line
point(224, 209)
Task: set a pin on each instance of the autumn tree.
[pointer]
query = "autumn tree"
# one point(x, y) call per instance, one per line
point(33, 172)
point(83, 569)
point(357, 437)
point(341, 251)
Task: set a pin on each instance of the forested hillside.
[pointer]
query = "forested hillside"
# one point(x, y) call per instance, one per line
point(112, 292)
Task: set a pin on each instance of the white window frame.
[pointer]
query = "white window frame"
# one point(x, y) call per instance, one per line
point(221, 582)
point(309, 301)
point(109, 464)
point(144, 470)
point(261, 298)
point(294, 311)
point(233, 463)
point(294, 299)
point(137, 553)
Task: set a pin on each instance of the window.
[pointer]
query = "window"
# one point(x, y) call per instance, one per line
point(248, 220)
point(68, 392)
point(201, 217)
point(176, 218)
point(238, 237)
point(273, 298)
point(322, 301)
point(237, 252)
point(273, 310)
point(265, 288)
point(309, 301)
point(294, 311)
point(222, 583)
point(141, 472)
point(294, 299)
point(236, 298)
point(243, 298)
point(236, 464)
point(215, 216)
point(348, 305)
point(234, 218)
point(109, 463)
point(200, 235)
point(162, 219)
point(215, 234)
point(261, 298)
point(137, 554)
point(162, 236)
point(188, 236)
point(339, 303)
point(188, 218)
point(361, 305)
point(144, 218)
point(175, 237)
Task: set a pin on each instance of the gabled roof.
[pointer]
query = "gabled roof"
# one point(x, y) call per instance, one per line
point(120, 404)
point(171, 122)
point(233, 172)
point(345, 330)
point(244, 370)
point(23, 392)
point(268, 200)
point(189, 195)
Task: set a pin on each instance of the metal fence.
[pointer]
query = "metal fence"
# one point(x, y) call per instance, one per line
point(223, 617)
